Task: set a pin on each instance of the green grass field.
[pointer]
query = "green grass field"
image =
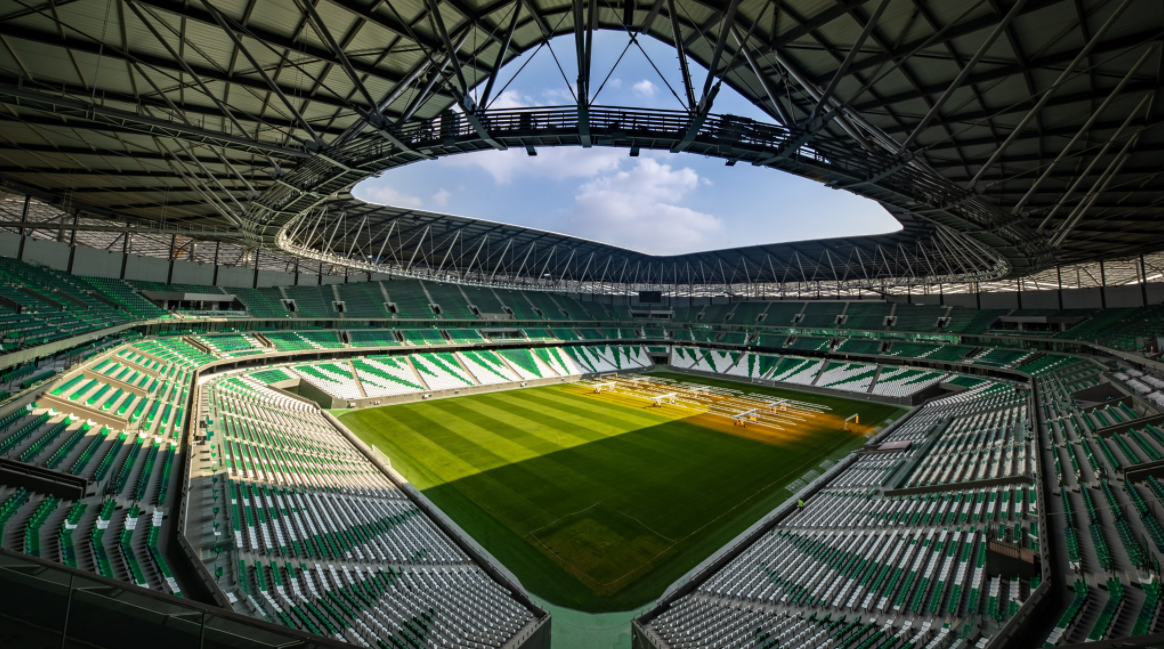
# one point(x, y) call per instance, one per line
point(598, 502)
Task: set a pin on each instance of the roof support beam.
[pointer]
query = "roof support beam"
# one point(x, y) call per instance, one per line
point(325, 34)
point(1102, 152)
point(500, 60)
point(1038, 107)
point(961, 78)
point(1097, 189)
point(827, 93)
point(119, 119)
point(681, 52)
point(765, 80)
point(1084, 129)
point(426, 92)
point(708, 96)
point(451, 51)
point(225, 24)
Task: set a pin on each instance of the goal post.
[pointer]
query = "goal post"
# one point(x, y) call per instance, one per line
point(853, 419)
point(608, 386)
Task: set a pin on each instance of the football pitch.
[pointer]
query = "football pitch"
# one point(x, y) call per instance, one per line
point(598, 502)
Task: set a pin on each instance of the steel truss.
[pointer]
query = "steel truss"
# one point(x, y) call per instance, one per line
point(228, 120)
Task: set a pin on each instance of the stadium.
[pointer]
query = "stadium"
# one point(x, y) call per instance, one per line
point(248, 401)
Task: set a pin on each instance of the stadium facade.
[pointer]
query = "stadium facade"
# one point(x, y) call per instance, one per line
point(187, 285)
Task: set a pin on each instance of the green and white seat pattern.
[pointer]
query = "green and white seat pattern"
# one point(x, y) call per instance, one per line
point(591, 359)
point(857, 568)
point(797, 370)
point(979, 446)
point(386, 376)
point(439, 370)
point(850, 377)
point(487, 367)
point(904, 381)
point(753, 366)
point(713, 360)
point(331, 377)
point(324, 542)
point(526, 364)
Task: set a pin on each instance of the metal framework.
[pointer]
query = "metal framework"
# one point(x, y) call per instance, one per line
point(1008, 137)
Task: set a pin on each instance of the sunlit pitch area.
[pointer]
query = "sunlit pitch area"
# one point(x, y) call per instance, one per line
point(739, 407)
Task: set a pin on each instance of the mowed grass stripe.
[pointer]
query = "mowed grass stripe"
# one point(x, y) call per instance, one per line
point(440, 436)
point(429, 463)
point(583, 410)
point(553, 433)
point(562, 426)
point(511, 438)
point(607, 411)
point(515, 468)
point(484, 441)
point(550, 470)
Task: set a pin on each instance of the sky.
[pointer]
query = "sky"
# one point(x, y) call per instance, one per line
point(659, 203)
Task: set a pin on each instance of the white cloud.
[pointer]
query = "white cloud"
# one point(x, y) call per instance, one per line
point(645, 88)
point(615, 83)
point(641, 209)
point(511, 99)
point(556, 163)
point(387, 195)
point(441, 198)
point(559, 95)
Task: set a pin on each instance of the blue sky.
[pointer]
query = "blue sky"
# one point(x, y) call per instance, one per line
point(658, 203)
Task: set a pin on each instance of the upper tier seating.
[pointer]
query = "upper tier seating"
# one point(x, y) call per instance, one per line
point(520, 306)
point(363, 300)
point(972, 321)
point(867, 315)
point(451, 301)
point(917, 317)
point(484, 299)
point(262, 303)
point(544, 303)
point(687, 313)
point(422, 337)
point(808, 343)
point(746, 313)
point(781, 314)
point(821, 314)
point(860, 346)
point(575, 309)
point(410, 299)
point(716, 313)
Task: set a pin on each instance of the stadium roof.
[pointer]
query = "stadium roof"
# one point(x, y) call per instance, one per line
point(1005, 135)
